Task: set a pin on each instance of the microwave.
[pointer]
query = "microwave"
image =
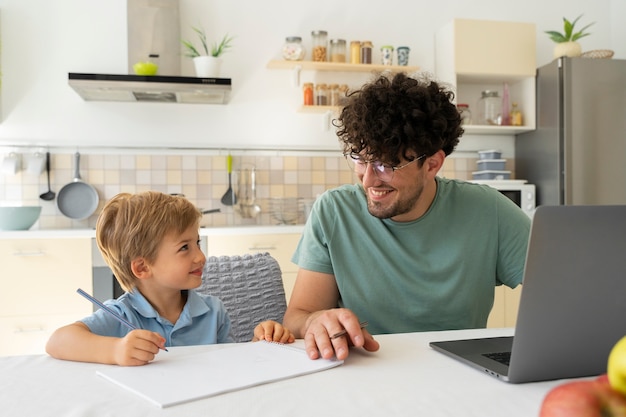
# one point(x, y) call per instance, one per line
point(518, 191)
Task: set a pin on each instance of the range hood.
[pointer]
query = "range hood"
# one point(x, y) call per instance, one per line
point(153, 88)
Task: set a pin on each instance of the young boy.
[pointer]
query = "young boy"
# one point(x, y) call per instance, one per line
point(150, 240)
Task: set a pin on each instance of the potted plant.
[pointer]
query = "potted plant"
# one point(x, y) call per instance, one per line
point(566, 42)
point(207, 61)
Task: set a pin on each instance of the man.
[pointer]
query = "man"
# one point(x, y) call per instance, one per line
point(404, 250)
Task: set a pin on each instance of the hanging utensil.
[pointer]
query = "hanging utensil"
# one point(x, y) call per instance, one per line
point(48, 195)
point(77, 200)
point(229, 198)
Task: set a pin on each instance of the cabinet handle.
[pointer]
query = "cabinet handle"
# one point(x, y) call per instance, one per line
point(262, 248)
point(33, 329)
point(26, 254)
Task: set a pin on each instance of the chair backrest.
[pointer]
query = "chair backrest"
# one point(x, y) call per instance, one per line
point(251, 288)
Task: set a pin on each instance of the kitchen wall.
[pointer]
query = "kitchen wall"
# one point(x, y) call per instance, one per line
point(200, 177)
point(43, 40)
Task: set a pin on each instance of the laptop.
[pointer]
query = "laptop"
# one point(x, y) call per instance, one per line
point(573, 304)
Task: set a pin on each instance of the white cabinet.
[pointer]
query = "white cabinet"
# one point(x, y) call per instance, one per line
point(505, 306)
point(477, 55)
point(39, 282)
point(280, 245)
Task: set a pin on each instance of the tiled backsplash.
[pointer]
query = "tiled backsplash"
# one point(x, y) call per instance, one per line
point(201, 178)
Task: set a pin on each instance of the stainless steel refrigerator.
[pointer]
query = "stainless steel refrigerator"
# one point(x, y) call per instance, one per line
point(577, 154)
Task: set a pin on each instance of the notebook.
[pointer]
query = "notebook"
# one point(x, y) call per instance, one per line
point(178, 379)
point(573, 303)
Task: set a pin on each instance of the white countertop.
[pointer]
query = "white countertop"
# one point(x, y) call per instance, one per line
point(204, 231)
point(404, 378)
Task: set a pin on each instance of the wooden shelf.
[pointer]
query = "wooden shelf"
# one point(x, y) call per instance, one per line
point(337, 66)
point(319, 109)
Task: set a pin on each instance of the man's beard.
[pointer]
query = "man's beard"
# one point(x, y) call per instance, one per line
point(397, 208)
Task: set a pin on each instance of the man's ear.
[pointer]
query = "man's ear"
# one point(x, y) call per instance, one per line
point(434, 163)
point(140, 268)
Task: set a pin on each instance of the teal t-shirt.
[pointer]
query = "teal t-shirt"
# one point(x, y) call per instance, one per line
point(435, 273)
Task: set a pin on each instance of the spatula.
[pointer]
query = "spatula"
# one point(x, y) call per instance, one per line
point(229, 198)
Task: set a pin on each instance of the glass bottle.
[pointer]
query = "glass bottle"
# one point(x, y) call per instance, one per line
point(366, 52)
point(337, 50)
point(516, 116)
point(318, 52)
point(355, 52)
point(490, 108)
point(321, 95)
point(506, 107)
point(466, 114)
point(293, 49)
point(307, 93)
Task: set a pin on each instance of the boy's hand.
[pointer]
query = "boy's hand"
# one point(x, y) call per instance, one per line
point(138, 348)
point(272, 331)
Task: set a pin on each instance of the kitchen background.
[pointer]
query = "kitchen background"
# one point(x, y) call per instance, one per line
point(181, 148)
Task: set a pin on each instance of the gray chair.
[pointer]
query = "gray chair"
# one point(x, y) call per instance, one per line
point(251, 288)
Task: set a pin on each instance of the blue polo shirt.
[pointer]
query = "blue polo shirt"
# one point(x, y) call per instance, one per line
point(203, 321)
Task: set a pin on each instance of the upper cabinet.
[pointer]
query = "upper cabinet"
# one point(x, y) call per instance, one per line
point(478, 55)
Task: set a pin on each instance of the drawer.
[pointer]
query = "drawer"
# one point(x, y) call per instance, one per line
point(27, 335)
point(40, 276)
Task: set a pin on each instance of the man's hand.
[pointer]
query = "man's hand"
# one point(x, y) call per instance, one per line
point(325, 324)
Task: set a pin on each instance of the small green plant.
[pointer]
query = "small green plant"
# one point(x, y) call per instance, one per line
point(568, 34)
point(217, 49)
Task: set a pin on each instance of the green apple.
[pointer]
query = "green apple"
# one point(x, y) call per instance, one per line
point(145, 68)
point(616, 367)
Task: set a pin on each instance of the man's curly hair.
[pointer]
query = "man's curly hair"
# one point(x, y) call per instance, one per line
point(399, 115)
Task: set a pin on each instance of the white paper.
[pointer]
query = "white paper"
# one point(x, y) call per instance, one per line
point(175, 380)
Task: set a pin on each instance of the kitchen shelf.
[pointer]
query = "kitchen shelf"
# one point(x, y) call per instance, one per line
point(319, 109)
point(337, 66)
point(496, 130)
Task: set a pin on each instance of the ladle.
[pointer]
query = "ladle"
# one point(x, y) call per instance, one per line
point(48, 195)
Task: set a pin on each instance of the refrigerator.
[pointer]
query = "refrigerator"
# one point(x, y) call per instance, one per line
point(577, 154)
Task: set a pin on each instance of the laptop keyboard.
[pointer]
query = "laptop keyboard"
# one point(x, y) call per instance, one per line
point(502, 357)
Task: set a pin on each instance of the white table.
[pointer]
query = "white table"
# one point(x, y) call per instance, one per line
point(404, 378)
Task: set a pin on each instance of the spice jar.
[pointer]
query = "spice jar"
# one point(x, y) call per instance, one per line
point(319, 45)
point(466, 114)
point(307, 93)
point(386, 55)
point(355, 52)
point(337, 50)
point(343, 94)
point(293, 49)
point(333, 95)
point(321, 95)
point(490, 108)
point(516, 116)
point(366, 52)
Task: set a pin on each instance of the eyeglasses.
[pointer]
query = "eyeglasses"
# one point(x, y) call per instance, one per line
point(384, 172)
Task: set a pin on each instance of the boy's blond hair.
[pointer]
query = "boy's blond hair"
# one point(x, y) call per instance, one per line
point(133, 225)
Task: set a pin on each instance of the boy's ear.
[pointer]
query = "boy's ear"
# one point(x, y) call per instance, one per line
point(140, 268)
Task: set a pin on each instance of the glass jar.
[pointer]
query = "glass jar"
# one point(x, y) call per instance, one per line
point(321, 95)
point(355, 52)
point(337, 50)
point(293, 49)
point(490, 108)
point(466, 114)
point(307, 94)
point(343, 94)
point(333, 95)
point(386, 55)
point(516, 116)
point(366, 52)
point(318, 53)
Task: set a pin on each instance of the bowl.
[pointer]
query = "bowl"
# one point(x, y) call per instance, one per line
point(19, 218)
